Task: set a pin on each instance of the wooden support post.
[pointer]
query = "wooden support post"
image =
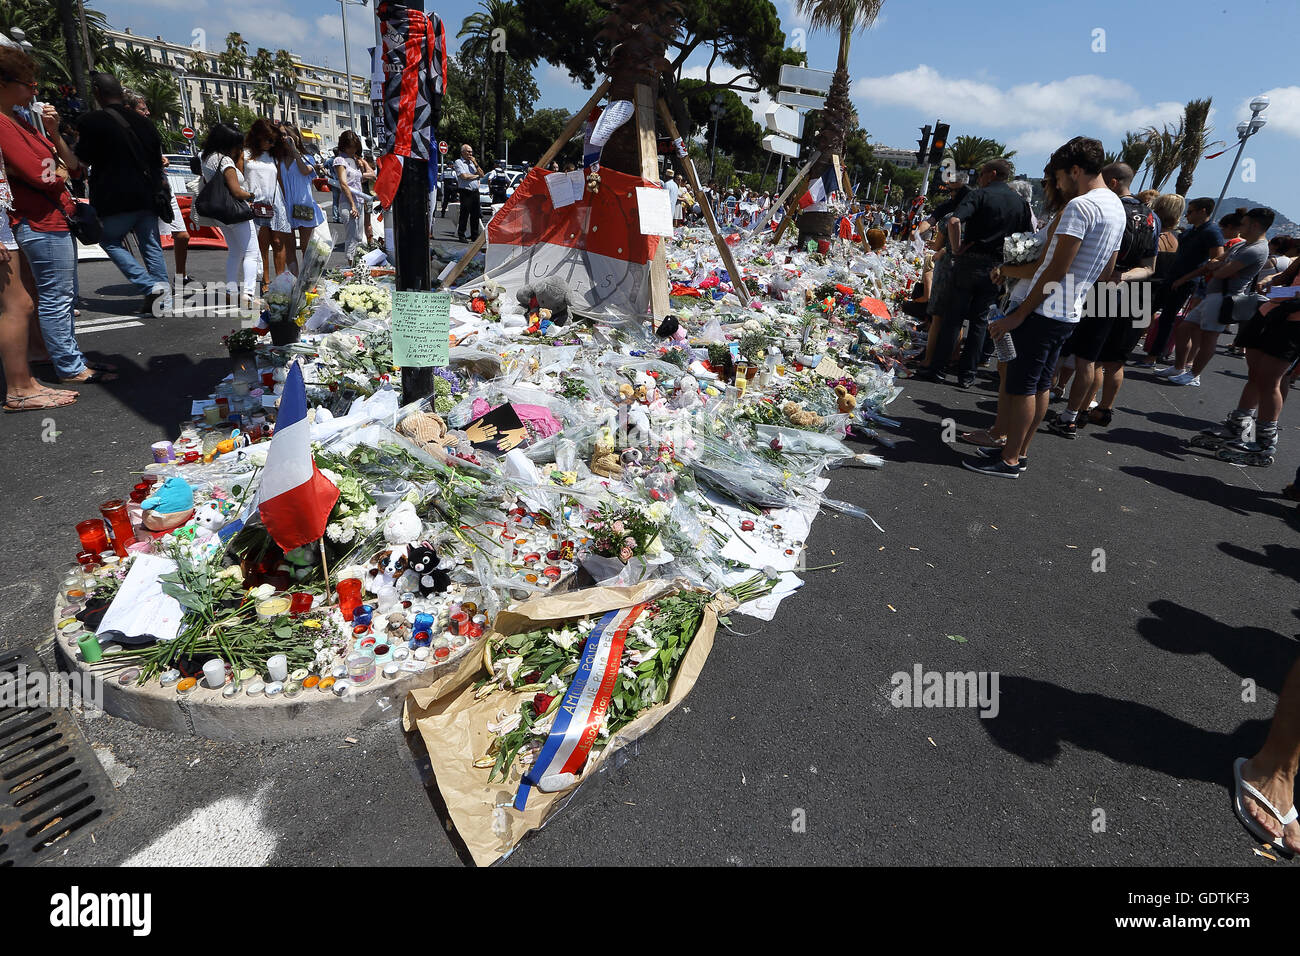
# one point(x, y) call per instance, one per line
point(796, 182)
point(575, 123)
point(648, 148)
point(692, 177)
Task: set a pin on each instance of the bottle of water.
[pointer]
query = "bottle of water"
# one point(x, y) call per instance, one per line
point(1004, 348)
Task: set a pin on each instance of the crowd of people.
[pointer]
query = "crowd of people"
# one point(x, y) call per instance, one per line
point(113, 156)
point(1114, 282)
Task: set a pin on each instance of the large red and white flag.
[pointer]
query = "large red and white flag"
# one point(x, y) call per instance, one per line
point(594, 244)
point(294, 498)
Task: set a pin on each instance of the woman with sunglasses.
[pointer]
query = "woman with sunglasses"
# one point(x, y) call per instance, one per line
point(297, 211)
point(39, 218)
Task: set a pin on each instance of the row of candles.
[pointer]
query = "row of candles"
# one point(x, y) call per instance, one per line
point(115, 520)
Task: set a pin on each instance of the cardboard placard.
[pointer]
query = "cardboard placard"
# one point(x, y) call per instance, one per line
point(498, 431)
point(421, 329)
point(654, 210)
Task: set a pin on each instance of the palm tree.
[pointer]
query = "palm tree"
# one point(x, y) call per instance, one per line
point(286, 76)
point(498, 20)
point(135, 67)
point(235, 55)
point(199, 62)
point(1133, 150)
point(1164, 153)
point(637, 34)
point(847, 17)
point(972, 152)
point(262, 67)
point(162, 97)
point(1196, 133)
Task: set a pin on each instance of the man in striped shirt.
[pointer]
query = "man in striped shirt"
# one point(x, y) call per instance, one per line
point(1084, 246)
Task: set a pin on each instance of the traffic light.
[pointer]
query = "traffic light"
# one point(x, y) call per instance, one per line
point(924, 143)
point(940, 143)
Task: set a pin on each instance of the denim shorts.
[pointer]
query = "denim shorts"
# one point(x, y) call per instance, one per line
point(1038, 342)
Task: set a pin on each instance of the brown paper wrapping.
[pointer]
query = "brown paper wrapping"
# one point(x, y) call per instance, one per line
point(453, 724)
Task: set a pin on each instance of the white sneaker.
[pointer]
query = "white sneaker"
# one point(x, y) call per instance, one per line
point(1186, 378)
point(1169, 372)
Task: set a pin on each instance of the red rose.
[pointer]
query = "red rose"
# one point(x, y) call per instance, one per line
point(541, 701)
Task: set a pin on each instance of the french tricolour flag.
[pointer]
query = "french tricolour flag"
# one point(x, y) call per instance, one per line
point(294, 499)
point(819, 190)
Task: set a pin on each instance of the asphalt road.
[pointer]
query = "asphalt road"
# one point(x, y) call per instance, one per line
point(1121, 691)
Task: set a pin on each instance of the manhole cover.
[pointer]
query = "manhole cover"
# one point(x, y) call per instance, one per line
point(52, 787)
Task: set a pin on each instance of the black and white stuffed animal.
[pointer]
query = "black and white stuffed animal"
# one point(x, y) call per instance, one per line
point(423, 561)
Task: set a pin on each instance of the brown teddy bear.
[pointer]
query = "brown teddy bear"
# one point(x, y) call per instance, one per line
point(426, 429)
point(801, 416)
point(844, 401)
point(604, 461)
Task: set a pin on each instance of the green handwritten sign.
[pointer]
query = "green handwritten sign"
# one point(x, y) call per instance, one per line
point(421, 329)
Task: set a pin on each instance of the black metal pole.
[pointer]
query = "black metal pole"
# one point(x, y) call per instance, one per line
point(410, 212)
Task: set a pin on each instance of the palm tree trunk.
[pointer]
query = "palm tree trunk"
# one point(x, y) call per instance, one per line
point(830, 140)
point(76, 55)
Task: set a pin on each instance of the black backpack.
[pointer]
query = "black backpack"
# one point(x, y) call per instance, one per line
point(1139, 240)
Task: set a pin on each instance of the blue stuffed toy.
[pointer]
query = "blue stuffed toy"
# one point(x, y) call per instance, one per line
point(170, 506)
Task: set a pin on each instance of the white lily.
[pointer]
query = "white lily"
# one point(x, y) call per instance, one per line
point(505, 724)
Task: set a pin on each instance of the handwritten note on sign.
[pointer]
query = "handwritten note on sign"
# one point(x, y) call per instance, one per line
point(421, 329)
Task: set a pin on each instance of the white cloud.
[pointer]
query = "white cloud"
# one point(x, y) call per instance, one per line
point(1083, 103)
point(1283, 111)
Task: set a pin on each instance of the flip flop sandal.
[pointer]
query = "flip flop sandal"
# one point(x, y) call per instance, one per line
point(97, 377)
point(1250, 823)
point(969, 439)
point(43, 400)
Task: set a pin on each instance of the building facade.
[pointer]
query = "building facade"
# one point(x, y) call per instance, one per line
point(318, 105)
point(902, 158)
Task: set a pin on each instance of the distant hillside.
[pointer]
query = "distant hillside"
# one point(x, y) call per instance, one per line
point(1282, 226)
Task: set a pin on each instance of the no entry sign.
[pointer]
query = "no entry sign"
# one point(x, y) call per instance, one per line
point(442, 147)
point(187, 133)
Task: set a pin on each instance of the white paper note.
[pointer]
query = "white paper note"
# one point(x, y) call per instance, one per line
point(566, 188)
point(655, 212)
point(140, 606)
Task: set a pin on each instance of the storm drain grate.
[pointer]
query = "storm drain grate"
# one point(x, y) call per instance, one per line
point(52, 787)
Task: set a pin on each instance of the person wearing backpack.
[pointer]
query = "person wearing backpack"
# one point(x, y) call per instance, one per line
point(124, 154)
point(1134, 269)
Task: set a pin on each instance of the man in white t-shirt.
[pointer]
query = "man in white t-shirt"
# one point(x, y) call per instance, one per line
point(670, 184)
point(1084, 246)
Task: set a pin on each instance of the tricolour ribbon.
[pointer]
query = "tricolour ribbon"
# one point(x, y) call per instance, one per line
point(579, 716)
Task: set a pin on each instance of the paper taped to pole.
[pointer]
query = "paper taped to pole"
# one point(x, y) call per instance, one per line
point(593, 243)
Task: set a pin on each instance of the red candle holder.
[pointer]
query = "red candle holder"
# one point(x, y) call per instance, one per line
point(459, 622)
point(299, 602)
point(349, 592)
point(119, 520)
point(94, 537)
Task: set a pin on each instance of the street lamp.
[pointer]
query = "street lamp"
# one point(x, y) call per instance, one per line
point(347, 59)
point(1245, 130)
point(716, 108)
point(879, 170)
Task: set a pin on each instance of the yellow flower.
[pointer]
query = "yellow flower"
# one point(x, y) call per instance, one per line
point(311, 622)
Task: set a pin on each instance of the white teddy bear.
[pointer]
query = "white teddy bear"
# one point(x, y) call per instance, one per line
point(403, 527)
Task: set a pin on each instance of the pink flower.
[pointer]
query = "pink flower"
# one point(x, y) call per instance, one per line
point(625, 555)
point(629, 542)
point(617, 527)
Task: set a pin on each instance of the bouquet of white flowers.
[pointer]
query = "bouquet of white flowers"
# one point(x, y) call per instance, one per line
point(1021, 247)
point(363, 297)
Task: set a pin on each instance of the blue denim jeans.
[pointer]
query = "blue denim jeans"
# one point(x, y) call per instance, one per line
point(52, 257)
point(144, 225)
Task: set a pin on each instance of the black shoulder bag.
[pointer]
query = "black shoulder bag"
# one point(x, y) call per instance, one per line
point(216, 201)
point(160, 190)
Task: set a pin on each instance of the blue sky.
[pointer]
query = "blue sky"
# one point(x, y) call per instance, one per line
point(1029, 74)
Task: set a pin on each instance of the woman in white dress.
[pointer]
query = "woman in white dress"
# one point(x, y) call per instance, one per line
point(261, 175)
point(348, 167)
